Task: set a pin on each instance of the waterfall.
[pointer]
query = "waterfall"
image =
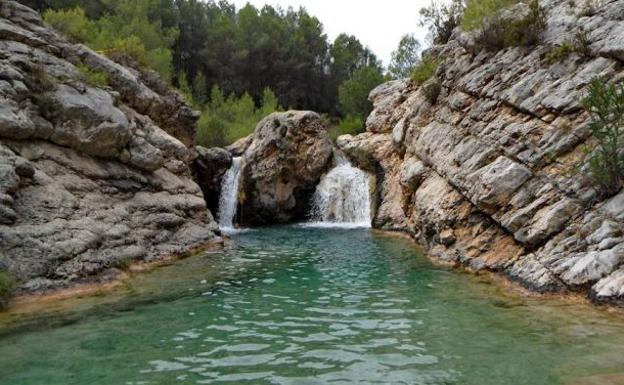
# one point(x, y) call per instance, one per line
point(228, 200)
point(343, 197)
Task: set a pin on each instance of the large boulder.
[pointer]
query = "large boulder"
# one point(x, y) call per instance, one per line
point(282, 166)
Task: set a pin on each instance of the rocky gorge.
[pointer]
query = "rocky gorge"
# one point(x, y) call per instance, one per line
point(93, 177)
point(487, 176)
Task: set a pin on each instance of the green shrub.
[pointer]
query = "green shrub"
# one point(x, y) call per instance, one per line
point(477, 12)
point(131, 30)
point(582, 42)
point(441, 18)
point(559, 53)
point(225, 120)
point(7, 283)
point(431, 89)
point(95, 78)
point(497, 32)
point(425, 70)
point(605, 103)
point(72, 22)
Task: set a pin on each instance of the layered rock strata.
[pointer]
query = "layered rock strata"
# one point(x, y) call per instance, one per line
point(91, 177)
point(487, 177)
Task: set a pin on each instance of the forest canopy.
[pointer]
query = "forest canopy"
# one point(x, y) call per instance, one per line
point(209, 48)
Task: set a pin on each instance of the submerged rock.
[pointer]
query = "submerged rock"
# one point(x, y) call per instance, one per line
point(91, 178)
point(282, 166)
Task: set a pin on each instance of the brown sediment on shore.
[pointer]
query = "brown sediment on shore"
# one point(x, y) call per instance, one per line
point(102, 284)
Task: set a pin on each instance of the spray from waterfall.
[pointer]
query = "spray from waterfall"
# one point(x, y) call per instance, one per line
point(342, 198)
point(228, 200)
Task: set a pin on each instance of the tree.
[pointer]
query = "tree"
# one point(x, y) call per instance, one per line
point(441, 18)
point(405, 58)
point(605, 103)
point(353, 93)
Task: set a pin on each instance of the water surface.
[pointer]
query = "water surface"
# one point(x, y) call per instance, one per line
point(300, 305)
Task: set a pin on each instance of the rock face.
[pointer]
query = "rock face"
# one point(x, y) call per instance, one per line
point(209, 167)
point(90, 177)
point(485, 177)
point(282, 165)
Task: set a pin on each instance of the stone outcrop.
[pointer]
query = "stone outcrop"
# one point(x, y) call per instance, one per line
point(91, 177)
point(283, 163)
point(209, 168)
point(487, 176)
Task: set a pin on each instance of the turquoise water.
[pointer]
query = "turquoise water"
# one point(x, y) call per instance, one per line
point(295, 305)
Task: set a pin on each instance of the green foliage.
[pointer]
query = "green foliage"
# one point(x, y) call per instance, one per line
point(405, 58)
point(559, 53)
point(497, 32)
point(224, 120)
point(132, 30)
point(579, 45)
point(431, 89)
point(441, 18)
point(215, 44)
point(350, 125)
point(478, 12)
point(582, 42)
point(425, 70)
point(605, 103)
point(7, 283)
point(96, 78)
point(353, 93)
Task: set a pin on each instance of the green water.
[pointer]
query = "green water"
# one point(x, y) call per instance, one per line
point(294, 305)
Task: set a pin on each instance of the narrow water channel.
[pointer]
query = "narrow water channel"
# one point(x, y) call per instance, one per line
point(301, 305)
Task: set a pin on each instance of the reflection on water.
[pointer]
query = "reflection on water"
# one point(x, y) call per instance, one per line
point(298, 305)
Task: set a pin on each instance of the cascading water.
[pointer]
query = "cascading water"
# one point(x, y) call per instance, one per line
point(343, 197)
point(228, 200)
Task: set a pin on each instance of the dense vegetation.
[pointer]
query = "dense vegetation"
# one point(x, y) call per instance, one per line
point(605, 103)
point(197, 46)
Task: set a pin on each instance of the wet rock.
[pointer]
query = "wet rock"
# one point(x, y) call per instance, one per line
point(209, 169)
point(282, 166)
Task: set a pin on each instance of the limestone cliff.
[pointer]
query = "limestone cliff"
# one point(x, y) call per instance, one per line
point(91, 176)
point(486, 176)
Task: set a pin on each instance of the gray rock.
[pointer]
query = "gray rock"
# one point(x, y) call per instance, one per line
point(82, 183)
point(209, 168)
point(282, 166)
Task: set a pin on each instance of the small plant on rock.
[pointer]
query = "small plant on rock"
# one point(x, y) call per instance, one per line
point(559, 53)
point(605, 103)
point(425, 70)
point(431, 89)
point(95, 78)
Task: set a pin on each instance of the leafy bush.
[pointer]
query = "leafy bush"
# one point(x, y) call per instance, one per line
point(224, 120)
point(478, 12)
point(96, 78)
point(582, 42)
point(132, 30)
point(425, 70)
point(605, 103)
point(559, 53)
point(7, 282)
point(497, 31)
point(432, 89)
point(441, 18)
point(73, 23)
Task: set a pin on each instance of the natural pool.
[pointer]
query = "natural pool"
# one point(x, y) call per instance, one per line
point(297, 305)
